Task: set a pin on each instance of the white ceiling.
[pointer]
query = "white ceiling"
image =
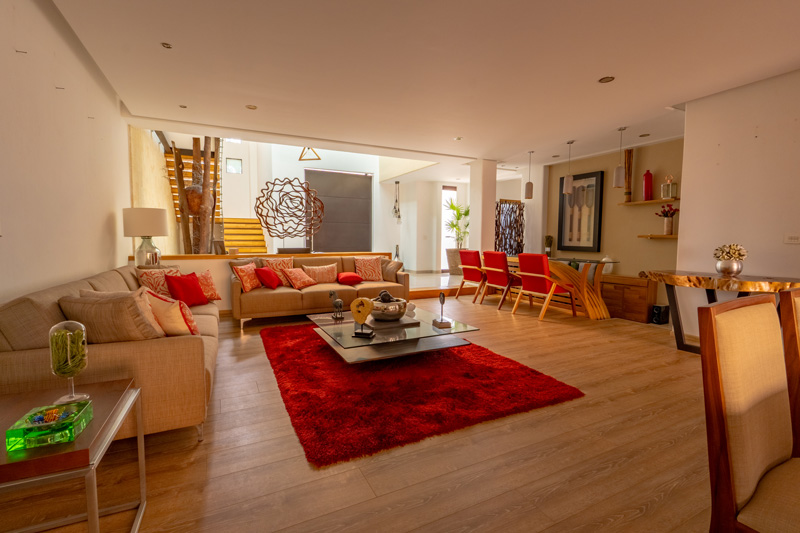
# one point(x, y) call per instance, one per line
point(383, 77)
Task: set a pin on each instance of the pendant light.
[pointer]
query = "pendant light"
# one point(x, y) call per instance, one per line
point(619, 172)
point(396, 208)
point(529, 185)
point(568, 178)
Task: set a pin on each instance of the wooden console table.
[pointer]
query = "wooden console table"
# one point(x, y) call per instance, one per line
point(743, 285)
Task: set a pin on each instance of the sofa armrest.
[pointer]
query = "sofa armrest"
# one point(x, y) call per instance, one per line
point(403, 279)
point(171, 371)
point(236, 296)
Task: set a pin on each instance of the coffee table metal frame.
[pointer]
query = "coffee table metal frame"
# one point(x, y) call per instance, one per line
point(388, 342)
point(130, 398)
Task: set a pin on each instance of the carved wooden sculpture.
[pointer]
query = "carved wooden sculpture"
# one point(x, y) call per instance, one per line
point(289, 208)
point(197, 199)
point(509, 229)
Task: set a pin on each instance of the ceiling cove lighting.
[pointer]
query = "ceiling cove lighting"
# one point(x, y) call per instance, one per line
point(567, 189)
point(529, 185)
point(619, 172)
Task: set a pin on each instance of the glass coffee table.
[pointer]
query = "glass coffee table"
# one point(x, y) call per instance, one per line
point(415, 334)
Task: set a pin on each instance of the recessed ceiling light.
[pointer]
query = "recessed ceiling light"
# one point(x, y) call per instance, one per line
point(166, 45)
point(556, 155)
point(606, 79)
point(644, 135)
point(251, 107)
point(182, 106)
point(458, 138)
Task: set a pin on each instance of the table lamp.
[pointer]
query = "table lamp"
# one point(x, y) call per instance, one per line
point(145, 222)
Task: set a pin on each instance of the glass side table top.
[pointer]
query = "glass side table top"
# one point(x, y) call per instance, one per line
point(342, 330)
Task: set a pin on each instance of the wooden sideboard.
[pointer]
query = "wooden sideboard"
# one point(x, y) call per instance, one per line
point(629, 298)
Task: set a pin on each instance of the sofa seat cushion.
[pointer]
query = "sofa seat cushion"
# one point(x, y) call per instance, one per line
point(316, 296)
point(371, 289)
point(265, 300)
point(209, 309)
point(207, 325)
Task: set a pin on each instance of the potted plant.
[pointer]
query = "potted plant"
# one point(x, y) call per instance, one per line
point(667, 213)
point(458, 226)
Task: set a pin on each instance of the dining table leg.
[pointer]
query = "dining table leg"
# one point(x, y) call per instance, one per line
point(677, 324)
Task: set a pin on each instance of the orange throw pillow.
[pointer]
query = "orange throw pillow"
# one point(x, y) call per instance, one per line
point(369, 268)
point(247, 275)
point(155, 279)
point(279, 265)
point(321, 274)
point(207, 284)
point(298, 278)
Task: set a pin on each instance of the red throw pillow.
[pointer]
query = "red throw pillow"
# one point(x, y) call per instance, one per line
point(186, 289)
point(298, 278)
point(268, 277)
point(349, 278)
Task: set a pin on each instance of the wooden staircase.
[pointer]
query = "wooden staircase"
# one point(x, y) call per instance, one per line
point(187, 180)
point(245, 234)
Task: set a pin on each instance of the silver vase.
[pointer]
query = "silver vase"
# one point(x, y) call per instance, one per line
point(729, 268)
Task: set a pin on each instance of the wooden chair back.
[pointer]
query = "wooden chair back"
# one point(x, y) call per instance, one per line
point(790, 323)
point(746, 400)
point(471, 265)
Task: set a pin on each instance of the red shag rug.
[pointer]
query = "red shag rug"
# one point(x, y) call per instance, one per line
point(343, 411)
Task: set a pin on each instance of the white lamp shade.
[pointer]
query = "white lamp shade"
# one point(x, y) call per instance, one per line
point(619, 177)
point(144, 222)
point(529, 190)
point(567, 189)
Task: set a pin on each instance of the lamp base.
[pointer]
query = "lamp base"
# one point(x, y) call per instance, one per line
point(147, 254)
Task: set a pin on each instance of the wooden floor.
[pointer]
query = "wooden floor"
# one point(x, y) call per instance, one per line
point(629, 456)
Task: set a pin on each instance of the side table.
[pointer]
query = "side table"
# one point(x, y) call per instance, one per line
point(112, 401)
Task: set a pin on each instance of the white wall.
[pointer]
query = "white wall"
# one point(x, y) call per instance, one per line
point(741, 182)
point(509, 190)
point(240, 190)
point(65, 175)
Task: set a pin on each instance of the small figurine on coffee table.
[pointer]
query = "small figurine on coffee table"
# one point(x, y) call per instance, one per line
point(338, 305)
point(442, 323)
point(361, 309)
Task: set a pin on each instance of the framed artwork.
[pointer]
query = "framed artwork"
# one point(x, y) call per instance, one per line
point(580, 213)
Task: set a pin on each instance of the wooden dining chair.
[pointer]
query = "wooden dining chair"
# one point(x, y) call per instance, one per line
point(495, 266)
point(472, 271)
point(753, 470)
point(534, 272)
point(790, 323)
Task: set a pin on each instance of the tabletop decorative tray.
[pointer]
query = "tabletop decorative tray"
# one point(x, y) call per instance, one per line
point(51, 424)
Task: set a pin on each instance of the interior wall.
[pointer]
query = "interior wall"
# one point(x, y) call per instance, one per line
point(65, 177)
point(150, 186)
point(741, 163)
point(622, 224)
point(508, 190)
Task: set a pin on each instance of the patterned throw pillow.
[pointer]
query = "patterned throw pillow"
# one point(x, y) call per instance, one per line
point(298, 278)
point(369, 268)
point(321, 274)
point(279, 265)
point(207, 284)
point(174, 316)
point(155, 279)
point(247, 275)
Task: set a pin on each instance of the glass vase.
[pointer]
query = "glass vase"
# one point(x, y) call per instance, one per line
point(68, 356)
point(667, 225)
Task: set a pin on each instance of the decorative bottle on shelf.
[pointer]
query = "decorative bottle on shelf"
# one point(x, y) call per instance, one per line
point(647, 186)
point(669, 190)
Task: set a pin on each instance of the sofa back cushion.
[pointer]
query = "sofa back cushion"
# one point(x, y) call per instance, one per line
point(300, 262)
point(128, 273)
point(108, 281)
point(25, 322)
point(113, 317)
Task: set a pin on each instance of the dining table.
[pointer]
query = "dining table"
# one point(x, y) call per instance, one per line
point(711, 283)
point(584, 275)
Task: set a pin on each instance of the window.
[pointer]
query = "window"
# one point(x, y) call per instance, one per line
point(233, 166)
point(448, 239)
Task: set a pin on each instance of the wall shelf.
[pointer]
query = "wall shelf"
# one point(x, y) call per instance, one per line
point(650, 202)
point(653, 236)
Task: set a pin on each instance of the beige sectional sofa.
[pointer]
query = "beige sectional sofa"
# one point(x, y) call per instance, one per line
point(175, 373)
point(287, 301)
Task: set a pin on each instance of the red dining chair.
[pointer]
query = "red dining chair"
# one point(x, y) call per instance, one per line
point(534, 271)
point(495, 266)
point(472, 271)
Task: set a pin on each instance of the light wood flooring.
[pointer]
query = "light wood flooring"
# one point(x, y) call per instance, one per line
point(629, 456)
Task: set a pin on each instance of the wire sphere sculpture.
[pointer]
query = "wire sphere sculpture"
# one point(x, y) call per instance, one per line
point(289, 208)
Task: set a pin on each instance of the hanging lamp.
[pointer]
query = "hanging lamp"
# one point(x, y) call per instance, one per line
point(396, 208)
point(567, 189)
point(619, 172)
point(306, 156)
point(529, 185)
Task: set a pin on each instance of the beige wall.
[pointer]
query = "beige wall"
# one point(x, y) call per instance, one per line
point(622, 224)
point(65, 176)
point(150, 186)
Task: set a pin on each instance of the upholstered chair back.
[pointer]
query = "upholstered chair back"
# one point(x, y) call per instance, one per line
point(754, 393)
point(471, 258)
point(536, 264)
point(499, 261)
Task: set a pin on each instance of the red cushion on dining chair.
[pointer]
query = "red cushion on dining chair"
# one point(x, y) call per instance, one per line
point(471, 258)
point(498, 260)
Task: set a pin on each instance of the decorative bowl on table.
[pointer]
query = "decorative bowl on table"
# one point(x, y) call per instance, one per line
point(387, 309)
